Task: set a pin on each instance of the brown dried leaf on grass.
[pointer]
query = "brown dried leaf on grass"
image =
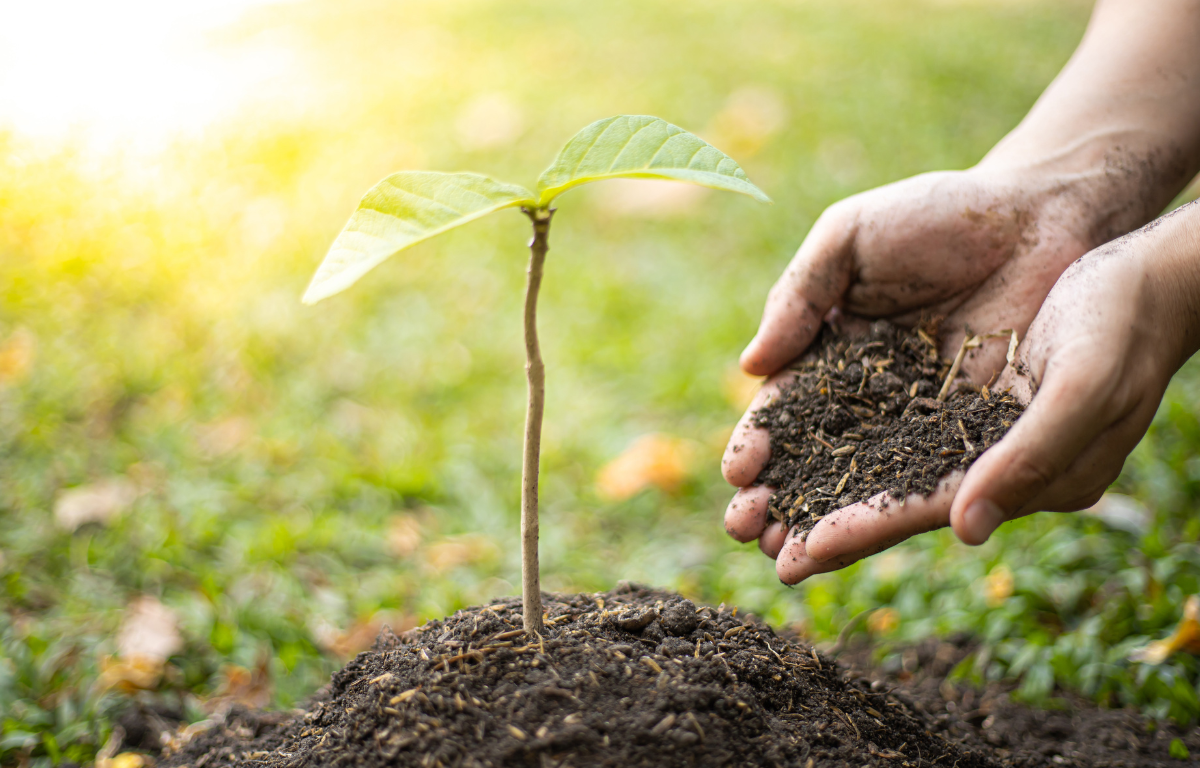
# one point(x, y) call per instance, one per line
point(403, 534)
point(1186, 637)
point(223, 437)
point(129, 675)
point(100, 502)
point(250, 688)
point(655, 460)
point(467, 549)
point(149, 635)
point(360, 636)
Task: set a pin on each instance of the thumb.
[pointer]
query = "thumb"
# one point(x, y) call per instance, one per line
point(813, 282)
point(1052, 432)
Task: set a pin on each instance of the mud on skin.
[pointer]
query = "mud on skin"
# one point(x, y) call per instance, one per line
point(861, 418)
point(625, 678)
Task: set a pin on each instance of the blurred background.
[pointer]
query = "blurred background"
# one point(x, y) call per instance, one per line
point(209, 492)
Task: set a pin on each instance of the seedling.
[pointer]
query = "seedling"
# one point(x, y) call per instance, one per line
point(411, 206)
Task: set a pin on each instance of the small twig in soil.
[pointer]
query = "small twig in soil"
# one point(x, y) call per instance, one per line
point(969, 342)
point(966, 439)
point(851, 722)
point(814, 436)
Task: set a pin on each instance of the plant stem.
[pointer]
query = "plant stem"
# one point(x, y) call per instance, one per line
point(535, 373)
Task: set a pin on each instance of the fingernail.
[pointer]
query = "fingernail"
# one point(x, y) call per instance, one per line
point(982, 518)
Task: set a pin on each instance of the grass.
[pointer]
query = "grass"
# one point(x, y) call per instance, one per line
point(303, 472)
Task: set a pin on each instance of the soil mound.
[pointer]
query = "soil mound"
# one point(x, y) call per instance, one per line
point(862, 418)
point(625, 678)
point(1075, 734)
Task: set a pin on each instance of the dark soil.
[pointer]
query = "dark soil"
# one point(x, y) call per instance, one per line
point(637, 677)
point(1076, 734)
point(861, 418)
point(632, 677)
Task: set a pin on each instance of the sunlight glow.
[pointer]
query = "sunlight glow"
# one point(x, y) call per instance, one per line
point(131, 73)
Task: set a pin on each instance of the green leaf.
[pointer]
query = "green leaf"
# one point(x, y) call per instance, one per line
point(402, 210)
point(1178, 750)
point(641, 147)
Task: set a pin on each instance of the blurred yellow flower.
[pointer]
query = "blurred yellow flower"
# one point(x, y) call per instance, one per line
point(998, 586)
point(123, 760)
point(883, 621)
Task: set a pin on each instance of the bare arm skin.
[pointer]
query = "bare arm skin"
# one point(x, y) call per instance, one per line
point(1111, 141)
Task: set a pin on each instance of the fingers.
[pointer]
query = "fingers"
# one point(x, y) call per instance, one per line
point(794, 565)
point(746, 515)
point(815, 280)
point(1059, 423)
point(881, 518)
point(749, 447)
point(771, 540)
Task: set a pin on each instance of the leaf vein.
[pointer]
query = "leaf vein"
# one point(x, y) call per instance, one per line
point(625, 146)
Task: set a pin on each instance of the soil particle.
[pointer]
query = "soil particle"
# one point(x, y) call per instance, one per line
point(861, 418)
point(691, 687)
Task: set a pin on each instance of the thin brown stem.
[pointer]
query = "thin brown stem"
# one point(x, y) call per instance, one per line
point(535, 373)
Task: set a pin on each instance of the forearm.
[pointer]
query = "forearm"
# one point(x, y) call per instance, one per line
point(1122, 120)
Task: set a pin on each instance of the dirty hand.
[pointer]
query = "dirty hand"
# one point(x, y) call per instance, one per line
point(1115, 328)
point(980, 247)
point(1098, 357)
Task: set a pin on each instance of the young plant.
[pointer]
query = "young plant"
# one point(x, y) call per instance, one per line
point(411, 206)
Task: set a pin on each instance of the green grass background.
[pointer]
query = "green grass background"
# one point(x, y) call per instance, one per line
point(163, 297)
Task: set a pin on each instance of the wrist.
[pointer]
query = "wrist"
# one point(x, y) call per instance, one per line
point(1098, 186)
point(1172, 252)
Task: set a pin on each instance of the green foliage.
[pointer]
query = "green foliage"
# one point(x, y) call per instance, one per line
point(402, 210)
point(411, 206)
point(1179, 750)
point(641, 147)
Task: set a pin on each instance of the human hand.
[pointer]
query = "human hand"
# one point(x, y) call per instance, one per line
point(980, 247)
point(1098, 356)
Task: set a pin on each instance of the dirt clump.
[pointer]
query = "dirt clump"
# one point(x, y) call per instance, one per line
point(862, 417)
point(626, 678)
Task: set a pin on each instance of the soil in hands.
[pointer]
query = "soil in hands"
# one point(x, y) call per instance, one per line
point(627, 678)
point(861, 418)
